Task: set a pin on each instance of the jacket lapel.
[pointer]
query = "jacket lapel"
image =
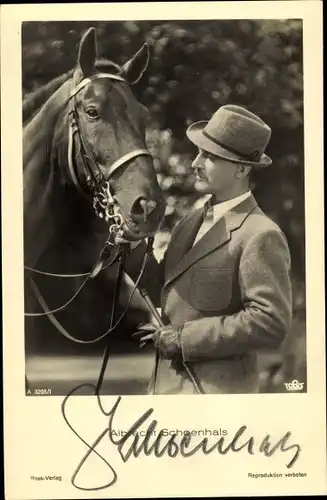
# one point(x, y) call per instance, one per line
point(184, 235)
point(217, 236)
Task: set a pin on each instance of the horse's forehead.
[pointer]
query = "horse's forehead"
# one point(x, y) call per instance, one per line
point(97, 90)
point(105, 90)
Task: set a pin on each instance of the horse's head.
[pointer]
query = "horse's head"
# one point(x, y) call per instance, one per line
point(109, 158)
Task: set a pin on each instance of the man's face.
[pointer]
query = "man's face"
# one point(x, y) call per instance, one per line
point(212, 174)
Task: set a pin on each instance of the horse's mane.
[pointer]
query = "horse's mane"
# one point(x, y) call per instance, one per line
point(33, 102)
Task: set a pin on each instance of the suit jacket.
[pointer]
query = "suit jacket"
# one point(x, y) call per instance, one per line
point(231, 292)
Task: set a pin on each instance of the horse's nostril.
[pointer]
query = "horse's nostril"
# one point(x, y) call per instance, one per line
point(141, 209)
point(138, 208)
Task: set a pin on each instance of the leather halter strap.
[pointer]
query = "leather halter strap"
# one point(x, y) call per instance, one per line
point(75, 129)
point(90, 79)
point(126, 158)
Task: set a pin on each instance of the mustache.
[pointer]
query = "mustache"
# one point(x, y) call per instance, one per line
point(199, 172)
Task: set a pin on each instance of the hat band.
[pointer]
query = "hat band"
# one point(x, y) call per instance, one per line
point(252, 157)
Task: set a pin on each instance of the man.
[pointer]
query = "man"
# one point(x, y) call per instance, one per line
point(226, 290)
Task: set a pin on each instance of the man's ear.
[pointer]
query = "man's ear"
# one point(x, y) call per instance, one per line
point(87, 52)
point(242, 171)
point(247, 170)
point(133, 69)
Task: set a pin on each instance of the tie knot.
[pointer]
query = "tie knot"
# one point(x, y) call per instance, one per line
point(209, 203)
point(208, 209)
point(208, 213)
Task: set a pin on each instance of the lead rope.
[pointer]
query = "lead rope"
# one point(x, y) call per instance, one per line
point(112, 327)
point(63, 330)
point(106, 353)
point(87, 276)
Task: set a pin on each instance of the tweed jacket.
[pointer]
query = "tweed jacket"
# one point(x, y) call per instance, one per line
point(231, 293)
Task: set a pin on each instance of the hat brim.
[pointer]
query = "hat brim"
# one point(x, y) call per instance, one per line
point(195, 135)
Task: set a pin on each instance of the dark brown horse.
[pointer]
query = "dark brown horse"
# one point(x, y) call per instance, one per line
point(84, 146)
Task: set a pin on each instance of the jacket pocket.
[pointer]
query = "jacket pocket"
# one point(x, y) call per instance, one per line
point(211, 289)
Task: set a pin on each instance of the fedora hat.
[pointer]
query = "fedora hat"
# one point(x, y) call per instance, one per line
point(234, 134)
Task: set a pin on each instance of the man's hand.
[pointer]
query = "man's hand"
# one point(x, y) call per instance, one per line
point(146, 333)
point(165, 338)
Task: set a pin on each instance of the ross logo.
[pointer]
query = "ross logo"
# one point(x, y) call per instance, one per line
point(294, 386)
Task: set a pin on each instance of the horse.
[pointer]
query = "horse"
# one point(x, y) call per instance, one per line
point(87, 176)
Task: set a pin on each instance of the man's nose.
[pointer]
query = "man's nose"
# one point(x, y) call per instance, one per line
point(197, 161)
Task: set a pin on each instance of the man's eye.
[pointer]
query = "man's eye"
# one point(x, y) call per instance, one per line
point(206, 156)
point(92, 112)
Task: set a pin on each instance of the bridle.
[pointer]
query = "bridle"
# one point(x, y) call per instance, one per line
point(96, 184)
point(106, 208)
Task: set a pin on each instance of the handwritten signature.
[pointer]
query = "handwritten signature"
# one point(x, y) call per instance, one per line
point(159, 445)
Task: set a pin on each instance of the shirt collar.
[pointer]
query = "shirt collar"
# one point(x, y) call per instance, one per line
point(220, 209)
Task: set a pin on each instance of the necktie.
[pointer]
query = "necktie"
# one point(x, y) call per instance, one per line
point(207, 221)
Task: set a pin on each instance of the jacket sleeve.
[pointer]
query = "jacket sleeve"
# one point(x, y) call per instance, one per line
point(264, 320)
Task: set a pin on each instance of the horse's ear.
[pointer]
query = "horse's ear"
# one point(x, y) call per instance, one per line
point(133, 69)
point(87, 52)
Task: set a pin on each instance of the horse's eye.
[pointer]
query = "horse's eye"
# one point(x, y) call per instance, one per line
point(92, 112)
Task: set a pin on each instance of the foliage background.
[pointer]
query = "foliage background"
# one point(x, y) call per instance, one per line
point(195, 67)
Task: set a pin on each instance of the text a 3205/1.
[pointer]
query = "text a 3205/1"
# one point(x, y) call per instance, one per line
point(39, 392)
